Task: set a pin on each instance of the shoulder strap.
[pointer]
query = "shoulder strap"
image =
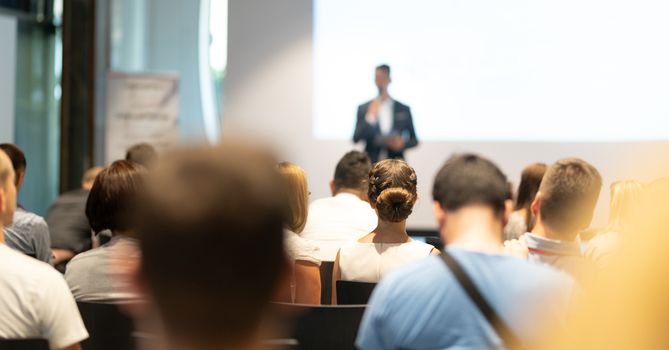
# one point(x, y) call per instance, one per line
point(505, 333)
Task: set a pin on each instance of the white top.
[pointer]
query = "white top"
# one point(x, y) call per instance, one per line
point(299, 248)
point(36, 302)
point(335, 221)
point(386, 116)
point(368, 262)
point(515, 227)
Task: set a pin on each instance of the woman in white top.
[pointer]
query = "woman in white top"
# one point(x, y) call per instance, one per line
point(521, 220)
point(392, 194)
point(304, 275)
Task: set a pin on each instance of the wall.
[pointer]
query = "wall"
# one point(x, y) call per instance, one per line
point(162, 36)
point(268, 95)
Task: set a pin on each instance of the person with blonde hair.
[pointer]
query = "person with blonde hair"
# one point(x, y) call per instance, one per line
point(624, 205)
point(305, 280)
point(392, 193)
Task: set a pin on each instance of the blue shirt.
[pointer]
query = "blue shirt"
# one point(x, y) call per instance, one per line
point(422, 306)
point(29, 234)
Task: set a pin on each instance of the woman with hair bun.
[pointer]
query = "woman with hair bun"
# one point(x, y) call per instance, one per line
point(392, 194)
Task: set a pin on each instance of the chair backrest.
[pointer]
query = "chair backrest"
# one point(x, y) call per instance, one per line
point(354, 293)
point(24, 344)
point(326, 282)
point(323, 327)
point(107, 327)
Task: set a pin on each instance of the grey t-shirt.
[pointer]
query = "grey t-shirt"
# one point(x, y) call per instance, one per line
point(91, 275)
point(29, 234)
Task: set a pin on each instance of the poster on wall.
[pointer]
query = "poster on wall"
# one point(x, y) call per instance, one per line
point(141, 107)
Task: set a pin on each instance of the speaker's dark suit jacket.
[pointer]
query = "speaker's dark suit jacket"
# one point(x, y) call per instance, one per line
point(375, 141)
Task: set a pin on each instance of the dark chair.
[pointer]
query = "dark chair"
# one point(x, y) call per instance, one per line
point(322, 327)
point(436, 242)
point(326, 282)
point(24, 344)
point(354, 293)
point(108, 328)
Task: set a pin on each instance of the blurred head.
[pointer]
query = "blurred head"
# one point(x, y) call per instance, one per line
point(295, 181)
point(625, 202)
point(352, 173)
point(567, 196)
point(382, 77)
point(18, 159)
point(112, 199)
point(469, 180)
point(7, 192)
point(530, 180)
point(392, 189)
point(211, 237)
point(89, 177)
point(143, 154)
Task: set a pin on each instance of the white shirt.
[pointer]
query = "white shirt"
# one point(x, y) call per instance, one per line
point(386, 116)
point(299, 248)
point(335, 221)
point(35, 302)
point(368, 262)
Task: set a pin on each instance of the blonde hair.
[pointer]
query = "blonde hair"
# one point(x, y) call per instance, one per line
point(625, 196)
point(297, 193)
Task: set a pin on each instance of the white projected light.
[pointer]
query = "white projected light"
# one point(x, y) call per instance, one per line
point(490, 70)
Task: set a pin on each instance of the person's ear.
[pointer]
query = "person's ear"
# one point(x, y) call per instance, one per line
point(332, 187)
point(536, 205)
point(20, 176)
point(439, 214)
point(508, 209)
point(3, 200)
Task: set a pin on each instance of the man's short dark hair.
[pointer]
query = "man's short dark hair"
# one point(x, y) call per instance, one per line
point(143, 154)
point(112, 198)
point(352, 171)
point(16, 155)
point(211, 236)
point(569, 191)
point(470, 179)
point(385, 68)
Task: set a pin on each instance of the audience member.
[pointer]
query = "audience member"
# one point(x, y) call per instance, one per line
point(346, 216)
point(563, 207)
point(423, 306)
point(211, 235)
point(627, 306)
point(29, 232)
point(521, 219)
point(143, 154)
point(624, 206)
point(68, 225)
point(392, 193)
point(34, 298)
point(109, 207)
point(305, 280)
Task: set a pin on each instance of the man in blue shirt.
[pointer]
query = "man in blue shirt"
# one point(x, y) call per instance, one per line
point(422, 306)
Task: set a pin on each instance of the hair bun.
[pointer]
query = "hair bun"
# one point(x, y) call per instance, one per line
point(394, 204)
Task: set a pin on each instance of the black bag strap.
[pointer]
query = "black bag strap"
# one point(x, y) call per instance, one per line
point(508, 337)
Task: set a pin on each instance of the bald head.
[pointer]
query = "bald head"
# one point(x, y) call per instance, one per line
point(6, 168)
point(7, 193)
point(89, 177)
